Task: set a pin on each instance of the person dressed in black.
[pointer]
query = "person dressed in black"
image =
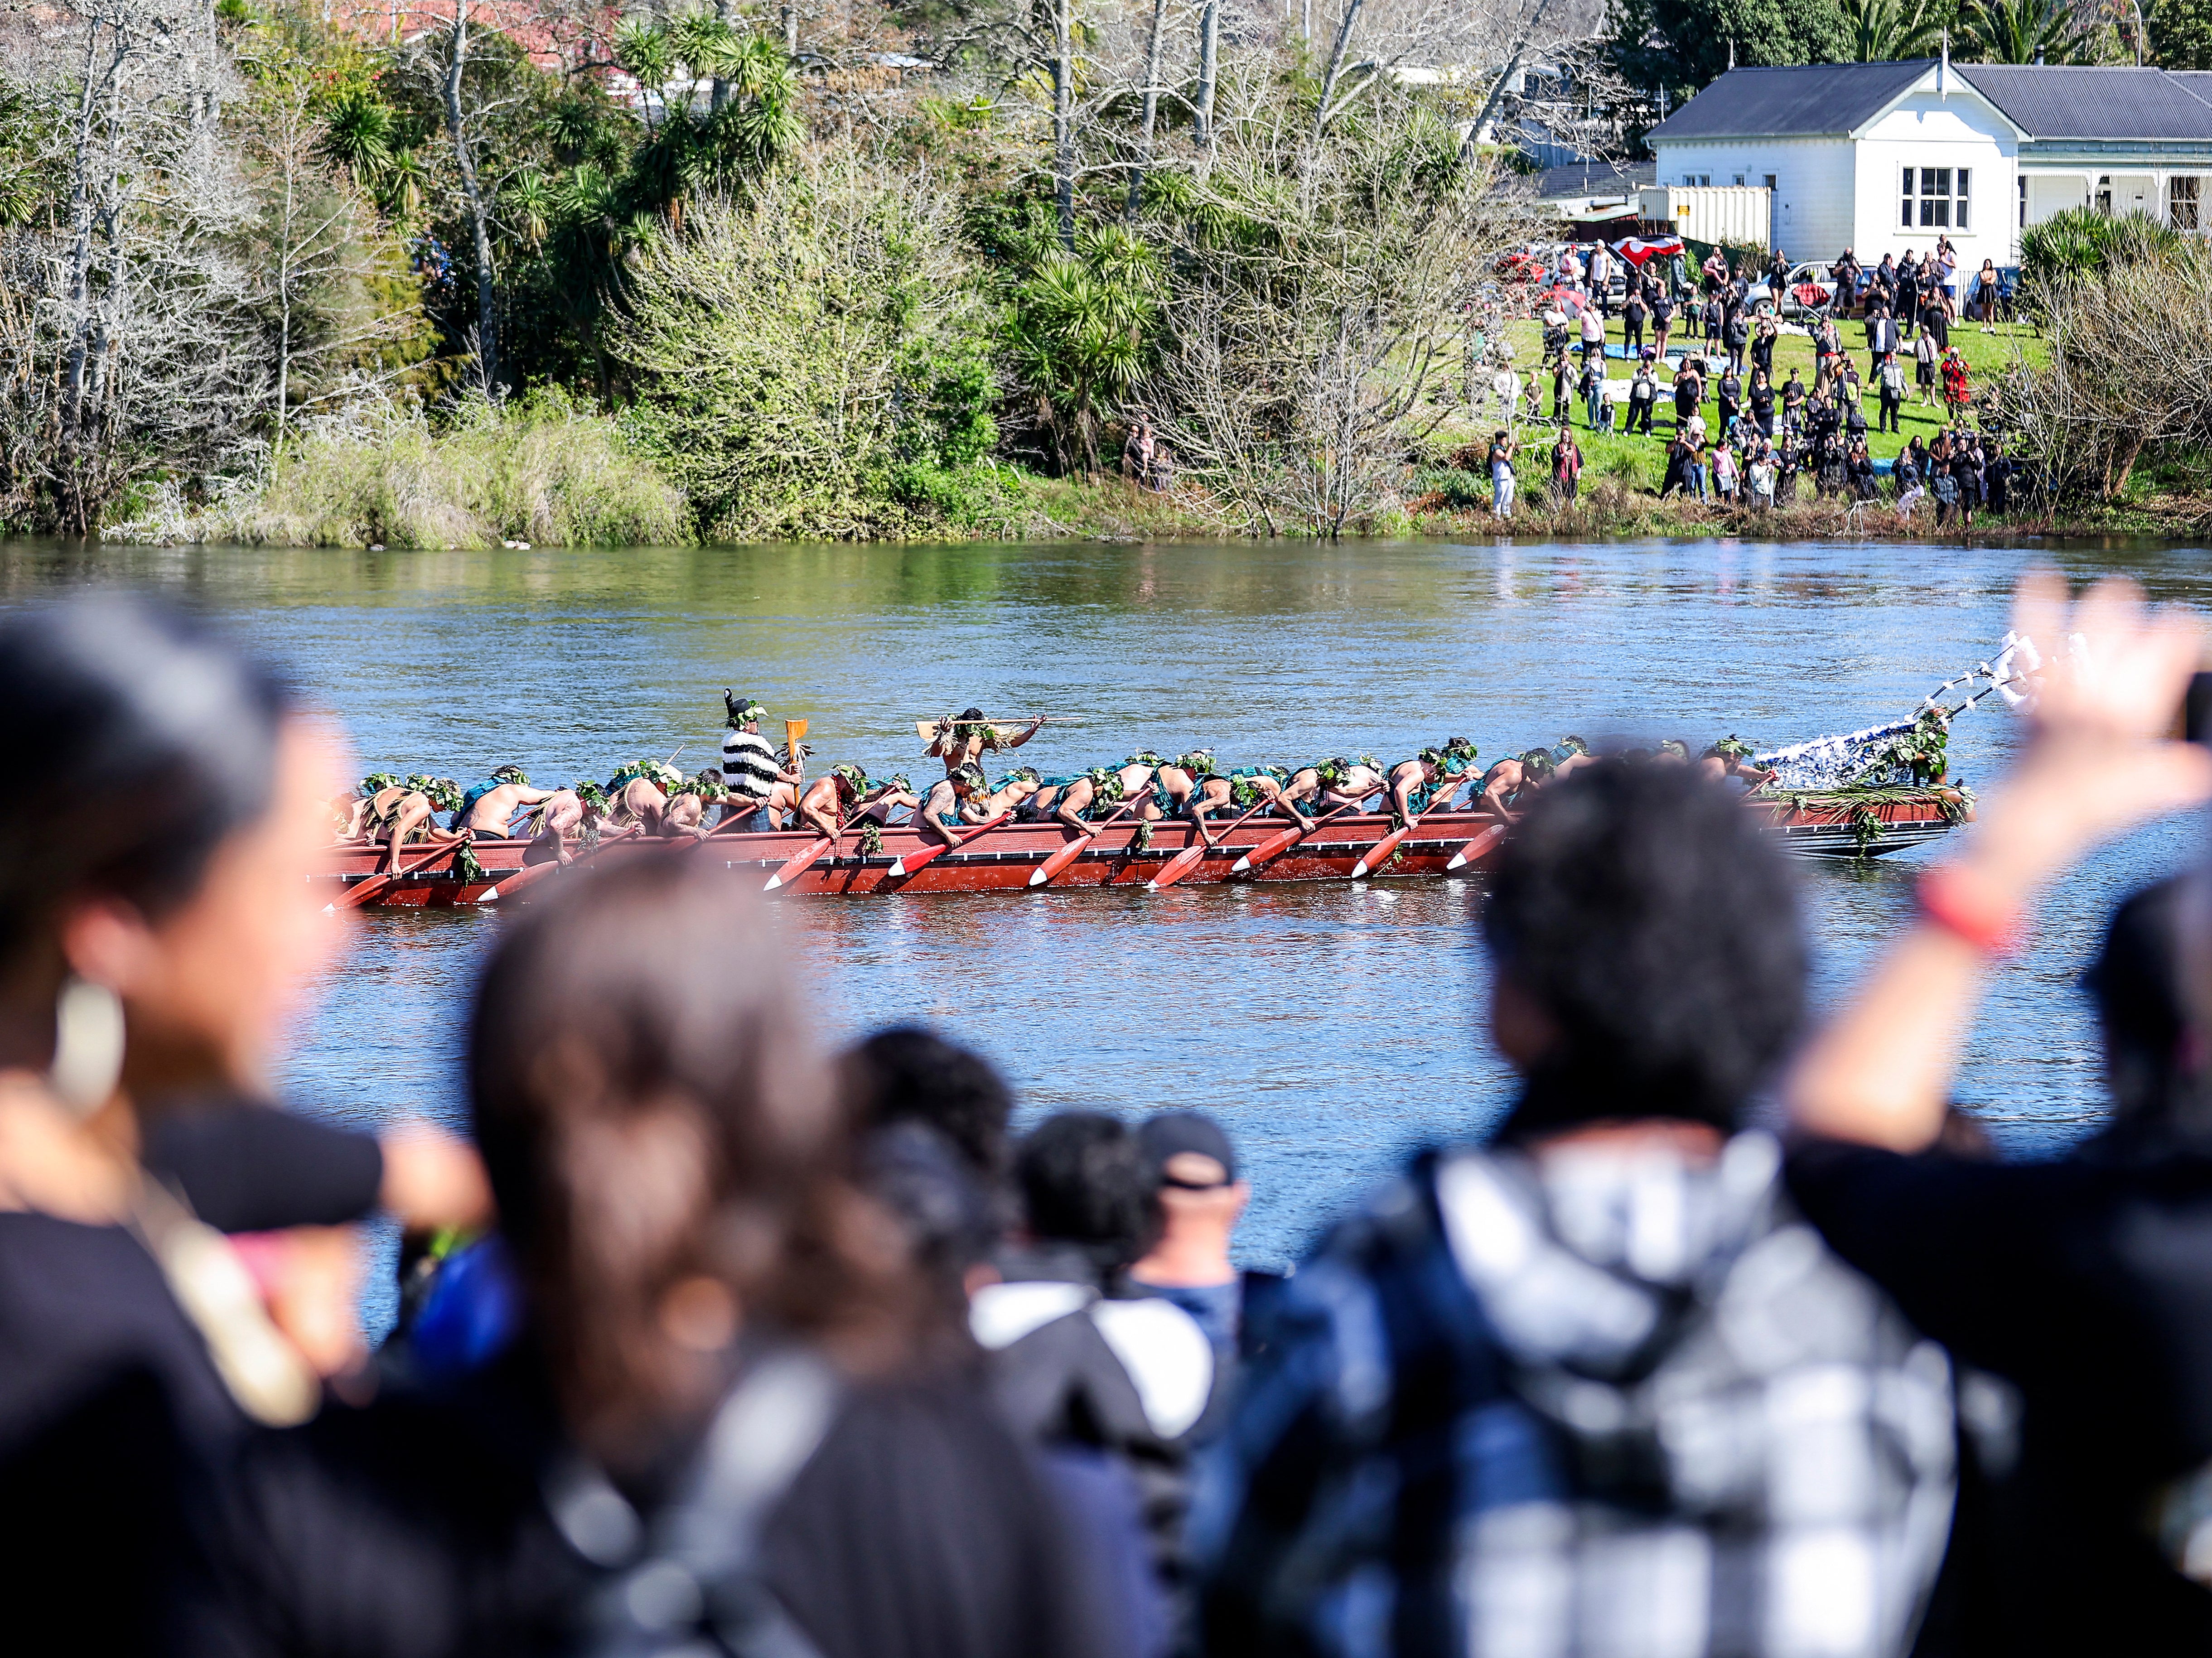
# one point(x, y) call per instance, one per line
point(1728, 392)
point(156, 921)
point(1634, 310)
point(1643, 398)
point(2083, 1285)
point(1762, 402)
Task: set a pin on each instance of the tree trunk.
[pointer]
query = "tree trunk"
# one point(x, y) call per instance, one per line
point(1352, 10)
point(1498, 92)
point(721, 92)
point(791, 31)
point(1152, 108)
point(1209, 56)
point(487, 310)
point(1063, 116)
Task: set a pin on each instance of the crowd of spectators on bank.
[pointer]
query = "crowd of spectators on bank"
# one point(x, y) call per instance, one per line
point(1712, 331)
point(725, 1343)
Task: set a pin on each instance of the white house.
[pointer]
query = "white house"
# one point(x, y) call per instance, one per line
point(1880, 157)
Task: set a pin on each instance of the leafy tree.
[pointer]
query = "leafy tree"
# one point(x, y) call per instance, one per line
point(1888, 31)
point(800, 351)
point(2027, 31)
point(1684, 44)
point(1080, 336)
point(2180, 34)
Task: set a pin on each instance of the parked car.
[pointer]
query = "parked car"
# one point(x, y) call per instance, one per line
point(1806, 292)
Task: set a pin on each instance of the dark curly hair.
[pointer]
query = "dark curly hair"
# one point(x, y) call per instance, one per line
point(909, 1074)
point(1648, 915)
point(1084, 1179)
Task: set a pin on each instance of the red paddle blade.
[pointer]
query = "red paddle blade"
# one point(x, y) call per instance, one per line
point(1474, 849)
point(1058, 861)
point(1270, 848)
point(1379, 853)
point(915, 860)
point(1178, 867)
point(797, 865)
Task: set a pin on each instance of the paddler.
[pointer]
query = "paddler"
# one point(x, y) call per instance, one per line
point(416, 812)
point(639, 792)
point(948, 806)
point(1038, 804)
point(1569, 755)
point(1012, 793)
point(488, 805)
point(568, 813)
point(830, 798)
point(1729, 758)
point(887, 797)
point(1434, 773)
point(687, 807)
point(1088, 801)
point(1251, 786)
point(1506, 784)
point(1348, 782)
point(750, 768)
point(370, 811)
point(965, 739)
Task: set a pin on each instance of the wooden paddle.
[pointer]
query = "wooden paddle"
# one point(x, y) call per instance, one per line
point(361, 891)
point(914, 861)
point(529, 874)
point(800, 862)
point(1193, 855)
point(1379, 854)
point(1474, 849)
point(1073, 850)
point(1269, 850)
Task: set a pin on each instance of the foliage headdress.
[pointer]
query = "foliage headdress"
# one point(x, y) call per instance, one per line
point(742, 709)
point(511, 773)
point(375, 784)
point(1198, 762)
point(972, 775)
point(851, 782)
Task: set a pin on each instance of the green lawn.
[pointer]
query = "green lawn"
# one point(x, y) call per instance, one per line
point(1641, 460)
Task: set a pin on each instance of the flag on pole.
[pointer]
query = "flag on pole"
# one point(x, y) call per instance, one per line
point(1638, 249)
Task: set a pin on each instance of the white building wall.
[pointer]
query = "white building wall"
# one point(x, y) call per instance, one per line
point(1924, 131)
point(1812, 185)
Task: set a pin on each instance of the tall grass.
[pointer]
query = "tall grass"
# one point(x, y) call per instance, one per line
point(543, 467)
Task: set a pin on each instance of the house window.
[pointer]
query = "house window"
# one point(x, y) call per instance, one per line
point(1770, 181)
point(1738, 181)
point(1934, 196)
point(2104, 195)
point(1692, 180)
point(2023, 201)
point(2181, 198)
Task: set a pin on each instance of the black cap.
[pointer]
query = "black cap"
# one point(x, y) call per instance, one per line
point(1172, 1134)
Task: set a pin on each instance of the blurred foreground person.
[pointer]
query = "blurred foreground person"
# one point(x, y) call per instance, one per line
point(1081, 1358)
point(163, 817)
point(1593, 1390)
point(2084, 1283)
point(739, 1412)
point(907, 1074)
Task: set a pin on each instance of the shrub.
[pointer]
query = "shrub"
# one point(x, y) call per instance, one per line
point(544, 469)
point(797, 348)
point(2082, 241)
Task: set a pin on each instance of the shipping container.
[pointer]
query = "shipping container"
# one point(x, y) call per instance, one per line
point(1742, 214)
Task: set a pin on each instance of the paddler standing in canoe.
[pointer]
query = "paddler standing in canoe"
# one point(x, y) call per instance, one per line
point(750, 768)
point(965, 740)
point(488, 805)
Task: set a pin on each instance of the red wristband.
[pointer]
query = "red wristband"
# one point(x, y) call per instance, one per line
point(1969, 908)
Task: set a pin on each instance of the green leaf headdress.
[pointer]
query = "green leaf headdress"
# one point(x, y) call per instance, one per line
point(1021, 774)
point(445, 793)
point(510, 775)
point(1105, 783)
point(1198, 762)
point(901, 783)
point(851, 779)
point(1573, 744)
point(591, 794)
point(375, 784)
point(1145, 757)
point(1675, 745)
point(742, 709)
point(708, 786)
point(1732, 747)
point(972, 775)
point(1536, 765)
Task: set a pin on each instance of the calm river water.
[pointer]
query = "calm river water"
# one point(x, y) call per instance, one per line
point(1330, 1026)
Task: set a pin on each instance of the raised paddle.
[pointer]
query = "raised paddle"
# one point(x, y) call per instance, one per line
point(1269, 850)
point(530, 874)
point(1193, 855)
point(914, 861)
point(1074, 849)
point(361, 891)
point(1379, 854)
point(1474, 849)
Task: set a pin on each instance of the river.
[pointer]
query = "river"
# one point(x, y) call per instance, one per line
point(1330, 1028)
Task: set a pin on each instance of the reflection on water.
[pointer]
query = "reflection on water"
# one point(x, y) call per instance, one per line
point(1330, 1026)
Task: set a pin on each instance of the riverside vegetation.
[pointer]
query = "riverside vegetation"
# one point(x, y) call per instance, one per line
point(520, 271)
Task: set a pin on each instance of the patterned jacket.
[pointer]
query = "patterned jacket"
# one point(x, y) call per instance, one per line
point(1609, 1405)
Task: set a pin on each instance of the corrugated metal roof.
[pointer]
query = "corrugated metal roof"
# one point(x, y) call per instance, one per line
point(1594, 179)
point(1802, 101)
point(2062, 101)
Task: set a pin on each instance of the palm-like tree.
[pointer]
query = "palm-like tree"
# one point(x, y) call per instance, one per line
point(1081, 334)
point(532, 204)
point(359, 133)
point(1887, 31)
point(648, 52)
point(2026, 32)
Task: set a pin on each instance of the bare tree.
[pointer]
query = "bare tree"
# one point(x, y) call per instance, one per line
point(479, 209)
